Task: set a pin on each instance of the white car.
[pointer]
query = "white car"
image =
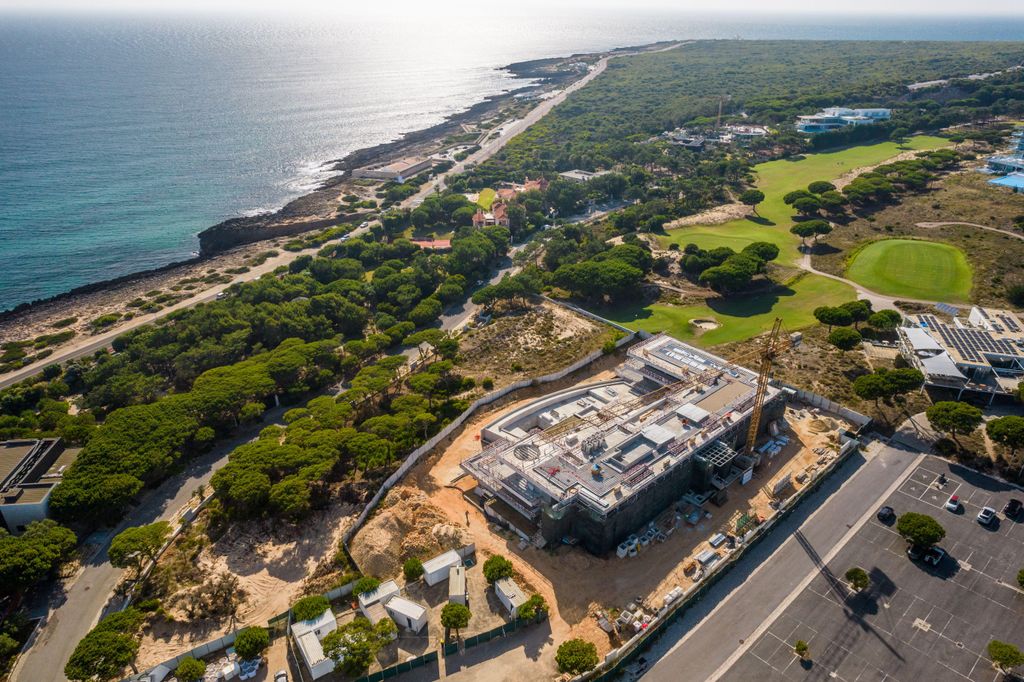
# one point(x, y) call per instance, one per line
point(986, 516)
point(953, 503)
point(281, 676)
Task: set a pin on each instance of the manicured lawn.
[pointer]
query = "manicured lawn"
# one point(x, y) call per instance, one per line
point(486, 198)
point(913, 268)
point(776, 179)
point(741, 317)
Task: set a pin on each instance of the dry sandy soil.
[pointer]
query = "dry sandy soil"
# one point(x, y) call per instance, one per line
point(713, 216)
point(575, 583)
point(520, 344)
point(270, 562)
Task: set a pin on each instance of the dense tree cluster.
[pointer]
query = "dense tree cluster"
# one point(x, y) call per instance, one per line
point(608, 275)
point(32, 556)
point(725, 270)
point(108, 648)
point(900, 177)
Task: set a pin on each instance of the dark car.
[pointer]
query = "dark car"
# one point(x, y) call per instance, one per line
point(1012, 508)
point(929, 555)
point(886, 514)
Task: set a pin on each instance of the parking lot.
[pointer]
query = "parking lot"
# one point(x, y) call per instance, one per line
point(915, 622)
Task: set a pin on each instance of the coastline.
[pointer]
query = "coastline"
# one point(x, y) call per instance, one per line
point(258, 234)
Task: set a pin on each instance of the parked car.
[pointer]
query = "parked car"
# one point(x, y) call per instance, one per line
point(886, 514)
point(281, 676)
point(934, 555)
point(1012, 508)
point(986, 516)
point(953, 503)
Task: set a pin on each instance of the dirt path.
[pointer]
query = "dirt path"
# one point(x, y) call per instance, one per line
point(954, 223)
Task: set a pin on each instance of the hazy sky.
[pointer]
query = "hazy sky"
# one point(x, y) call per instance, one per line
point(405, 7)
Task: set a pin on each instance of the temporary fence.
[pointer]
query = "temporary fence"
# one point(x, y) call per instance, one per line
point(615, 660)
point(487, 399)
point(399, 668)
point(514, 625)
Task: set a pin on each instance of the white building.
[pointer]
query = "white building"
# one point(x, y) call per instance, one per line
point(29, 471)
point(509, 594)
point(399, 170)
point(983, 353)
point(309, 636)
point(458, 592)
point(582, 176)
point(834, 118)
point(407, 614)
point(435, 570)
point(382, 595)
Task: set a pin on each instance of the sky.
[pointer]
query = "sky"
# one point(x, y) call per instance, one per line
point(407, 7)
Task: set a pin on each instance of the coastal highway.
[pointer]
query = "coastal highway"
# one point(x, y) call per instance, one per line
point(705, 642)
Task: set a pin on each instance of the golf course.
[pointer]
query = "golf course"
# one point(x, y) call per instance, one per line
point(778, 178)
point(743, 316)
point(912, 268)
point(740, 317)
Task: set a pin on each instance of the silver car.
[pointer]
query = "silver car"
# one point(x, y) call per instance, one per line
point(986, 516)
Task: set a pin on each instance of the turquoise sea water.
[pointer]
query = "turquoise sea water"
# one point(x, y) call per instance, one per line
point(121, 138)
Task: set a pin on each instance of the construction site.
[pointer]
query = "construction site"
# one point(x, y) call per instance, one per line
point(592, 464)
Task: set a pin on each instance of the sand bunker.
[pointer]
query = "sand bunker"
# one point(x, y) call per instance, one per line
point(407, 525)
point(705, 324)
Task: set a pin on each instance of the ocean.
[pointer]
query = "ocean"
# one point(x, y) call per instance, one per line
point(121, 138)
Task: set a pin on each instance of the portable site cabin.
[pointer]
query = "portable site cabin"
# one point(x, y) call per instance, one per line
point(309, 635)
point(458, 592)
point(406, 614)
point(435, 570)
point(384, 592)
point(509, 594)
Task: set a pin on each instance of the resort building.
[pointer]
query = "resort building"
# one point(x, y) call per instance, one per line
point(835, 118)
point(1011, 162)
point(29, 471)
point(983, 353)
point(592, 464)
point(498, 215)
point(399, 171)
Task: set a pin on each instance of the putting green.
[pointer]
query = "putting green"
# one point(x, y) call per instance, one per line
point(741, 317)
point(778, 178)
point(912, 268)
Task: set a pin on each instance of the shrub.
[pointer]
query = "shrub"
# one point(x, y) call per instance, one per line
point(412, 569)
point(251, 642)
point(576, 656)
point(801, 649)
point(532, 607)
point(1020, 577)
point(365, 584)
point(920, 530)
point(190, 670)
point(487, 383)
point(455, 616)
point(1004, 656)
point(858, 578)
point(497, 567)
point(309, 608)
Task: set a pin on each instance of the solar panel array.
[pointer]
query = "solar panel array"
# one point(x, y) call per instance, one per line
point(947, 308)
point(1009, 323)
point(971, 343)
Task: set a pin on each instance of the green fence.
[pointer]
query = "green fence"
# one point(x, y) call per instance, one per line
point(403, 667)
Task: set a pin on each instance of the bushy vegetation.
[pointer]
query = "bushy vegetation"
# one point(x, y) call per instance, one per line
point(354, 645)
point(497, 567)
point(576, 656)
point(107, 649)
point(920, 530)
point(310, 607)
point(251, 642)
point(32, 556)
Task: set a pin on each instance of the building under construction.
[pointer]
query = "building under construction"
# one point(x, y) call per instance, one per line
point(595, 463)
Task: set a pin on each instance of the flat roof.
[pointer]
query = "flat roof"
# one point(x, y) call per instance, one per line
point(1014, 180)
point(407, 608)
point(12, 453)
point(511, 590)
point(449, 558)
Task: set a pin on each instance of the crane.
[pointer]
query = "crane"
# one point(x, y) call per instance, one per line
point(774, 344)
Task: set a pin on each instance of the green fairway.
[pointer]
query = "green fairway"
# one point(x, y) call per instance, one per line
point(740, 317)
point(916, 269)
point(486, 198)
point(776, 179)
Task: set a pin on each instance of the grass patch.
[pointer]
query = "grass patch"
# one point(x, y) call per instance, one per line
point(913, 268)
point(486, 198)
point(778, 178)
point(740, 317)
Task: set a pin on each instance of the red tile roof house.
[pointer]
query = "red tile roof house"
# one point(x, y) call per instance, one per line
point(498, 215)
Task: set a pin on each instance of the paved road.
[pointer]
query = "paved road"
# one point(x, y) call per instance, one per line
point(701, 644)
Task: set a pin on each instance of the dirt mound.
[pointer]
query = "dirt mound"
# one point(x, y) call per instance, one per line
point(407, 525)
